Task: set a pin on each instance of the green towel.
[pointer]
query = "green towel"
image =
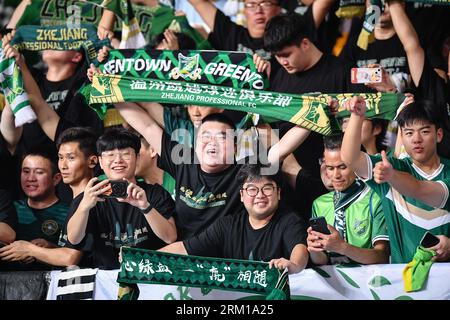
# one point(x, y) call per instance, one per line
point(416, 272)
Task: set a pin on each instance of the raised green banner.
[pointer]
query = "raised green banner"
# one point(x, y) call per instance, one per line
point(38, 38)
point(308, 111)
point(232, 69)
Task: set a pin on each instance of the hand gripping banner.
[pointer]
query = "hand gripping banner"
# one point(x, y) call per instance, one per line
point(148, 266)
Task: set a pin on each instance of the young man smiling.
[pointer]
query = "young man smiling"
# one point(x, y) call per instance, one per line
point(407, 218)
point(264, 231)
point(142, 219)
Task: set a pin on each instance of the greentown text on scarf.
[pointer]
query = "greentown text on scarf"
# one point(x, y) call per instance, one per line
point(308, 111)
point(232, 69)
point(148, 266)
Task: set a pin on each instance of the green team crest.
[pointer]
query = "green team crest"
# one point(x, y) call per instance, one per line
point(187, 68)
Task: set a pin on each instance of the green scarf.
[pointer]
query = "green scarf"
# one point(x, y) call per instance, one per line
point(351, 8)
point(308, 111)
point(151, 20)
point(232, 69)
point(341, 201)
point(416, 272)
point(373, 13)
point(38, 38)
point(11, 84)
point(148, 266)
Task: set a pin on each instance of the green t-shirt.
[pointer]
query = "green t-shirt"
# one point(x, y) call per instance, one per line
point(40, 223)
point(407, 218)
point(364, 219)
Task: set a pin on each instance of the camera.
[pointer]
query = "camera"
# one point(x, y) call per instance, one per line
point(118, 189)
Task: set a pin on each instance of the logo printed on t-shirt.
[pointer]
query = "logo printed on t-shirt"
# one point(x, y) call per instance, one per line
point(49, 227)
point(202, 200)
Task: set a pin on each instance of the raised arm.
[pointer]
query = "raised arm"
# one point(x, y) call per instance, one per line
point(47, 117)
point(320, 9)
point(351, 144)
point(409, 39)
point(142, 122)
point(207, 10)
point(287, 144)
point(8, 129)
point(432, 193)
point(17, 14)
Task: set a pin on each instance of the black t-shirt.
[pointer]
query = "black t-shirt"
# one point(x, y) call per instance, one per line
point(8, 213)
point(389, 53)
point(328, 75)
point(200, 197)
point(68, 104)
point(229, 36)
point(233, 237)
point(432, 87)
point(8, 168)
point(308, 188)
point(113, 224)
point(432, 24)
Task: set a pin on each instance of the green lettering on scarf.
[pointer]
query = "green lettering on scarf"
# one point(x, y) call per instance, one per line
point(148, 266)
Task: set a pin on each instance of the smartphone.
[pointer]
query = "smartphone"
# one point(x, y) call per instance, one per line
point(366, 75)
point(319, 224)
point(118, 189)
point(429, 240)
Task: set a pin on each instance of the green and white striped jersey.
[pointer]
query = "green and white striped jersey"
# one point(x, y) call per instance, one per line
point(365, 222)
point(407, 218)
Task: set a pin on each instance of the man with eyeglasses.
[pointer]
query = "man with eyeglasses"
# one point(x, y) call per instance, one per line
point(264, 231)
point(103, 225)
point(354, 214)
point(227, 35)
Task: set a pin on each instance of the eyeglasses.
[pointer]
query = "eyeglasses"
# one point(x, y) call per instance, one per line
point(208, 137)
point(266, 190)
point(253, 6)
point(111, 156)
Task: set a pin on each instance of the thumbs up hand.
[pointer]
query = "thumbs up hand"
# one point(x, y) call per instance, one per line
point(383, 170)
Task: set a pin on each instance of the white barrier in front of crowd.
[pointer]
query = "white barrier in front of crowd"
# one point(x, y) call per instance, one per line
point(372, 282)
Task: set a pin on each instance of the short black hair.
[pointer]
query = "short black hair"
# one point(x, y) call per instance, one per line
point(35, 152)
point(85, 137)
point(333, 141)
point(285, 30)
point(419, 111)
point(219, 117)
point(253, 172)
point(118, 138)
point(381, 137)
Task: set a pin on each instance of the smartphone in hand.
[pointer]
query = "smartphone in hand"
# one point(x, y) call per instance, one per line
point(118, 189)
point(319, 224)
point(366, 75)
point(429, 240)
